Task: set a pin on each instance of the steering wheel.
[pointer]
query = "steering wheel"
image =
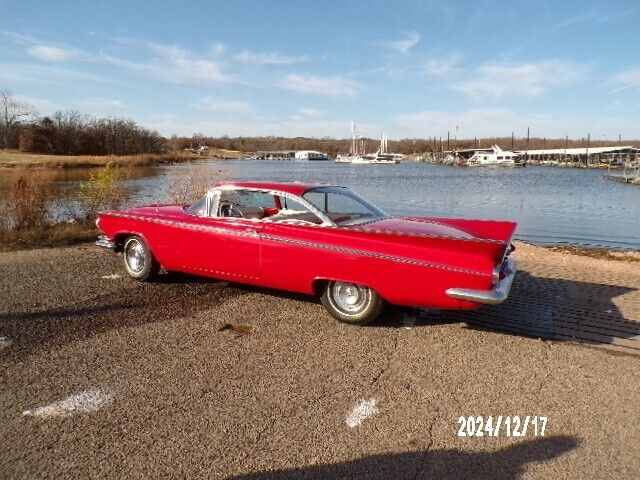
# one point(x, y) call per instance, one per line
point(230, 209)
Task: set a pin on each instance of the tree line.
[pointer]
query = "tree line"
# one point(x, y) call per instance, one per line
point(71, 133)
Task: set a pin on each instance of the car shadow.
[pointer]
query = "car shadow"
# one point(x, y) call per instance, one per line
point(169, 296)
point(507, 463)
point(555, 309)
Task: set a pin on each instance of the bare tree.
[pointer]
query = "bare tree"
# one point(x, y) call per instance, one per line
point(12, 112)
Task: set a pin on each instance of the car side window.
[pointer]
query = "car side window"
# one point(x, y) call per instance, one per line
point(294, 213)
point(245, 204)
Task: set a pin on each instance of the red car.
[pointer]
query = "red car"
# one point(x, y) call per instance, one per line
point(318, 239)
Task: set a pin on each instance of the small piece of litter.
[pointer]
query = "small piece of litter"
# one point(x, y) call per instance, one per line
point(113, 276)
point(5, 342)
point(89, 400)
point(238, 328)
point(361, 411)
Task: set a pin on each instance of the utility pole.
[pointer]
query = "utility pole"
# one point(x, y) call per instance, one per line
point(456, 139)
point(448, 139)
point(588, 140)
point(526, 150)
point(511, 141)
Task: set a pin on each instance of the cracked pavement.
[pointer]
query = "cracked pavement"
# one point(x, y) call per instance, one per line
point(192, 400)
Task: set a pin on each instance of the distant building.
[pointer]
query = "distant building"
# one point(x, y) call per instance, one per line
point(311, 155)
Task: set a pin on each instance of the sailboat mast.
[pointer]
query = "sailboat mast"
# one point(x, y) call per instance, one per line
point(353, 138)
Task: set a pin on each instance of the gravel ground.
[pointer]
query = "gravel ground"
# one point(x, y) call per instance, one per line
point(103, 377)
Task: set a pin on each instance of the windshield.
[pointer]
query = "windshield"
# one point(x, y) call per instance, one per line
point(198, 208)
point(343, 206)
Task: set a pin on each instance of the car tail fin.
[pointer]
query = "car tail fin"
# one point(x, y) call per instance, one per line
point(483, 229)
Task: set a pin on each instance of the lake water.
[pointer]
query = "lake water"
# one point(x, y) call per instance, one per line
point(551, 205)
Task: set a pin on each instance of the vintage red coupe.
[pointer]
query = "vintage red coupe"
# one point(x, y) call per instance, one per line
point(318, 239)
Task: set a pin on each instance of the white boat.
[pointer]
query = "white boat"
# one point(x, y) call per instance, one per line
point(498, 157)
point(357, 154)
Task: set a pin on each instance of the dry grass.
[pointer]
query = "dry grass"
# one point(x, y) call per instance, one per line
point(15, 158)
point(48, 236)
point(198, 180)
point(596, 252)
point(30, 210)
point(27, 203)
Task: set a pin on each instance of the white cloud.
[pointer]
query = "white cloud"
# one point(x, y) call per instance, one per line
point(41, 104)
point(53, 54)
point(219, 48)
point(188, 66)
point(273, 58)
point(440, 67)
point(101, 103)
point(521, 80)
point(405, 44)
point(627, 79)
point(334, 87)
point(174, 64)
point(217, 106)
point(43, 51)
point(595, 17)
point(311, 112)
point(24, 73)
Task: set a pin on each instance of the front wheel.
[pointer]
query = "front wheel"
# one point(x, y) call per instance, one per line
point(352, 303)
point(138, 259)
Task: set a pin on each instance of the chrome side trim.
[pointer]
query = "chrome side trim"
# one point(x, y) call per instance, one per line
point(492, 297)
point(106, 243)
point(366, 253)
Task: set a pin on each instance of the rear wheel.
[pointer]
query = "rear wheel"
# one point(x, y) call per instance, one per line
point(138, 259)
point(352, 303)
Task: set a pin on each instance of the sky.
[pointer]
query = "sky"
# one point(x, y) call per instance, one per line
point(415, 69)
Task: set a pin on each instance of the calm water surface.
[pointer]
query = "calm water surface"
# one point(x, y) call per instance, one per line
point(551, 205)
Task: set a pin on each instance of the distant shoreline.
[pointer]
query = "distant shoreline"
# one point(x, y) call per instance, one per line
point(14, 159)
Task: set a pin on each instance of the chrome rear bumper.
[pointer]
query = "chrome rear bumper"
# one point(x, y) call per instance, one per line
point(498, 295)
point(106, 243)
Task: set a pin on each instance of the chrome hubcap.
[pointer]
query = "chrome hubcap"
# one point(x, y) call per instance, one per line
point(349, 297)
point(134, 254)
